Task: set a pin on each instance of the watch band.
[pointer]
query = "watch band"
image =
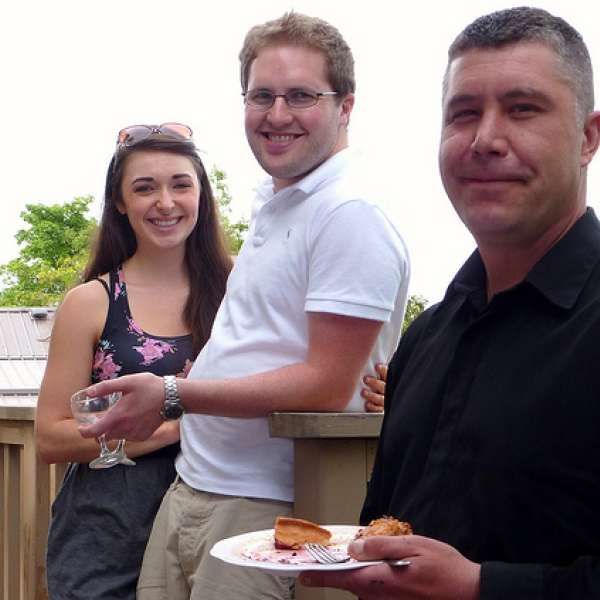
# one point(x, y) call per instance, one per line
point(173, 409)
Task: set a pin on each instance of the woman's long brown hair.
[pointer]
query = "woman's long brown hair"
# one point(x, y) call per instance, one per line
point(207, 257)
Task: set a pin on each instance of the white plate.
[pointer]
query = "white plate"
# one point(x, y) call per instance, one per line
point(257, 550)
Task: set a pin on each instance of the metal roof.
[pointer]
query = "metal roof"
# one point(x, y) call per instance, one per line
point(24, 339)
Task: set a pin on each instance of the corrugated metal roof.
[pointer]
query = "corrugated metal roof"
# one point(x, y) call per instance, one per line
point(24, 332)
point(28, 400)
point(24, 338)
point(21, 376)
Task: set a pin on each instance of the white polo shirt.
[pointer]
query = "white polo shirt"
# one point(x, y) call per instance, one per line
point(316, 246)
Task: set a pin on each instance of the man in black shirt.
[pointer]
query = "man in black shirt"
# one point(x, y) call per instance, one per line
point(490, 445)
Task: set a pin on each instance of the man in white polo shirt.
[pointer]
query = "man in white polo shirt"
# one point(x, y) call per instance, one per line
point(315, 300)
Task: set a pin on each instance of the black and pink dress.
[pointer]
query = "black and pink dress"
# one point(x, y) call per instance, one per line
point(101, 519)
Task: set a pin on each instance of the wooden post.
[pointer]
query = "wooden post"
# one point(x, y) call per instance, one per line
point(333, 458)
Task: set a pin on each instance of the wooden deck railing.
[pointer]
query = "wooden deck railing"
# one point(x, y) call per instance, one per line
point(28, 488)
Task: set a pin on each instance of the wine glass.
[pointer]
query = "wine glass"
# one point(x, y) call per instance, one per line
point(88, 410)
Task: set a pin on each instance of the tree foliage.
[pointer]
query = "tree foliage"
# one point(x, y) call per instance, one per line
point(416, 305)
point(54, 252)
point(235, 231)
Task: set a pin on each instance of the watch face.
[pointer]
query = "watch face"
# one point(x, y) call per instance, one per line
point(174, 411)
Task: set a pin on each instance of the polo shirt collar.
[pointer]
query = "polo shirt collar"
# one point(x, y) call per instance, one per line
point(340, 161)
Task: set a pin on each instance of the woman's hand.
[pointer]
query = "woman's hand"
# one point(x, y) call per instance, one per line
point(375, 391)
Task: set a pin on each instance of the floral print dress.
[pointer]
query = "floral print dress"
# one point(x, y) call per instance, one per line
point(101, 519)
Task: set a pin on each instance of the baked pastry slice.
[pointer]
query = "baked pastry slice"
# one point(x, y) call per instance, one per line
point(292, 534)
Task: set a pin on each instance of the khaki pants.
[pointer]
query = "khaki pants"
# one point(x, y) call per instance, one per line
point(177, 564)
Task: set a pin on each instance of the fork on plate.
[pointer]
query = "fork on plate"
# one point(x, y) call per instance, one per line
point(325, 557)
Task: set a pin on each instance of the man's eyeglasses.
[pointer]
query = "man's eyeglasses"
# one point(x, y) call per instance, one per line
point(264, 100)
point(136, 133)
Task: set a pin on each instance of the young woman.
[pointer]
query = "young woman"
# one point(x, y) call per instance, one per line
point(155, 278)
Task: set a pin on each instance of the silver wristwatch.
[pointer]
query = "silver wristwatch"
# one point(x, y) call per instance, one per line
point(173, 410)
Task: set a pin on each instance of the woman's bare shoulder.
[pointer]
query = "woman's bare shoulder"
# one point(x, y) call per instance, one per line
point(84, 300)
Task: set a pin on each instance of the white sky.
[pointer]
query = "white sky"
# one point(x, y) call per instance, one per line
point(74, 72)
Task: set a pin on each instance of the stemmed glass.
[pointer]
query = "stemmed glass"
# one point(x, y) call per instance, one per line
point(88, 410)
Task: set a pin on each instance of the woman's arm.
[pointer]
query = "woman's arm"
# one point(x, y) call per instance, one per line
point(79, 322)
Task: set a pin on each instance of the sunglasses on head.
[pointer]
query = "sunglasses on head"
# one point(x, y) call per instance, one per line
point(133, 134)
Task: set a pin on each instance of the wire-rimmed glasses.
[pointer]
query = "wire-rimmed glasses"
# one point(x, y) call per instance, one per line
point(263, 99)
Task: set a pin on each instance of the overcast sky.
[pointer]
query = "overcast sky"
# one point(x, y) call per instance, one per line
point(75, 72)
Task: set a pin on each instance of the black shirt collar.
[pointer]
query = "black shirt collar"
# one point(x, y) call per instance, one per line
point(559, 275)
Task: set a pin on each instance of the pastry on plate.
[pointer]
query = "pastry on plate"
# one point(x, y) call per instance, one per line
point(292, 534)
point(384, 526)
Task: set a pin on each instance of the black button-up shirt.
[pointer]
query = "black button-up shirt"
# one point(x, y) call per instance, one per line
point(491, 436)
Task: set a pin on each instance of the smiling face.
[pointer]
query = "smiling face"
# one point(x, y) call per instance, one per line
point(160, 192)
point(290, 143)
point(512, 154)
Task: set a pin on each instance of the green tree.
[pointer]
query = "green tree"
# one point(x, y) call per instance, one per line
point(54, 253)
point(234, 230)
point(416, 305)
